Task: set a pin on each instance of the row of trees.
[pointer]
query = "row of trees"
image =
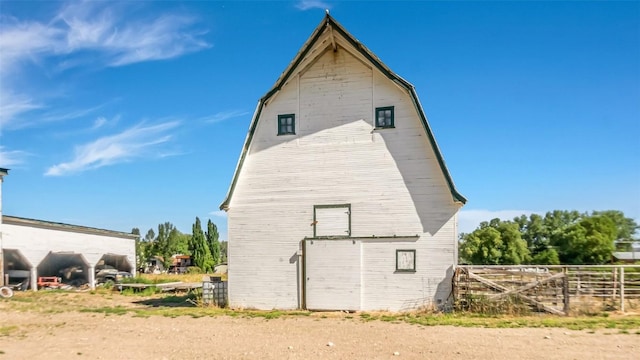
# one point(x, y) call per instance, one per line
point(558, 237)
point(205, 248)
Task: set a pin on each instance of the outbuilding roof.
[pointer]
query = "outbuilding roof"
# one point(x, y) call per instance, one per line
point(14, 220)
point(330, 24)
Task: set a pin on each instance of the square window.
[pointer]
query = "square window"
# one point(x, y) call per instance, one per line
point(287, 124)
point(405, 260)
point(384, 117)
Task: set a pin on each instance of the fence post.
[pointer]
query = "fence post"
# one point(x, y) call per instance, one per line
point(622, 289)
point(614, 288)
point(565, 290)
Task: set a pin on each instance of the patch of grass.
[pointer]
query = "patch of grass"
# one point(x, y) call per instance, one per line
point(165, 278)
point(105, 302)
point(8, 330)
point(388, 318)
point(117, 310)
point(472, 320)
point(268, 315)
point(138, 280)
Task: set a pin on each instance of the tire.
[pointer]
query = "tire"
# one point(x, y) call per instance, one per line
point(6, 292)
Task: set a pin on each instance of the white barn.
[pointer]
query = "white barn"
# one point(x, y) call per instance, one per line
point(32, 248)
point(341, 199)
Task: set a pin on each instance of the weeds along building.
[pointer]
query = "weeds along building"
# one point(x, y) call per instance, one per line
point(341, 199)
point(34, 248)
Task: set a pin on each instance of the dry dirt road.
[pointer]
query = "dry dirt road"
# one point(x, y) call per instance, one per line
point(34, 334)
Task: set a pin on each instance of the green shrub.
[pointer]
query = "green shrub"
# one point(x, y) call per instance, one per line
point(480, 304)
point(137, 280)
point(194, 270)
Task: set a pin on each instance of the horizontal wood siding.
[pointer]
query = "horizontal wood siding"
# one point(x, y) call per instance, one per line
point(390, 177)
point(263, 263)
point(384, 288)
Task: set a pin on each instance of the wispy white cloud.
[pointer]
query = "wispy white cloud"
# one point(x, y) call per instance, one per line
point(99, 122)
point(312, 4)
point(9, 158)
point(60, 115)
point(219, 213)
point(27, 40)
point(127, 42)
point(137, 142)
point(468, 220)
point(86, 33)
point(102, 121)
point(12, 105)
point(224, 115)
point(102, 28)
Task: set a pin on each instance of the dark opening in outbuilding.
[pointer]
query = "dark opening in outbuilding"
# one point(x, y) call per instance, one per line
point(17, 268)
point(114, 261)
point(71, 267)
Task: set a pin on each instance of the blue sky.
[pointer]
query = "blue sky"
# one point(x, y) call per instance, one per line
point(127, 114)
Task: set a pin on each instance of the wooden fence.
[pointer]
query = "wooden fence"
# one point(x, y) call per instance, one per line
point(555, 289)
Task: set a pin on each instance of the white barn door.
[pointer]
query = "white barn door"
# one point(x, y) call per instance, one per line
point(332, 274)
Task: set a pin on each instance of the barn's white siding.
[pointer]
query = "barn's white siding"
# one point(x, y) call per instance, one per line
point(397, 192)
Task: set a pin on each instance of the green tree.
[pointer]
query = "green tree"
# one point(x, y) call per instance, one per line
point(178, 243)
point(150, 236)
point(213, 242)
point(626, 228)
point(495, 243)
point(200, 254)
point(223, 251)
point(534, 232)
point(546, 257)
point(590, 241)
point(161, 244)
point(541, 233)
point(560, 236)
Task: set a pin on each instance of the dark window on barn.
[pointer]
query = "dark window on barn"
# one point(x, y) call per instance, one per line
point(384, 117)
point(287, 124)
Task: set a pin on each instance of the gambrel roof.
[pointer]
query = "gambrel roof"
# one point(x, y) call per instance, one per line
point(330, 31)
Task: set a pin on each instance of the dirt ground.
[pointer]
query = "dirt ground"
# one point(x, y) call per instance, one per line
point(36, 334)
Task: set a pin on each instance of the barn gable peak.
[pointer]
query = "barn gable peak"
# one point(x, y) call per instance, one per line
point(330, 33)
